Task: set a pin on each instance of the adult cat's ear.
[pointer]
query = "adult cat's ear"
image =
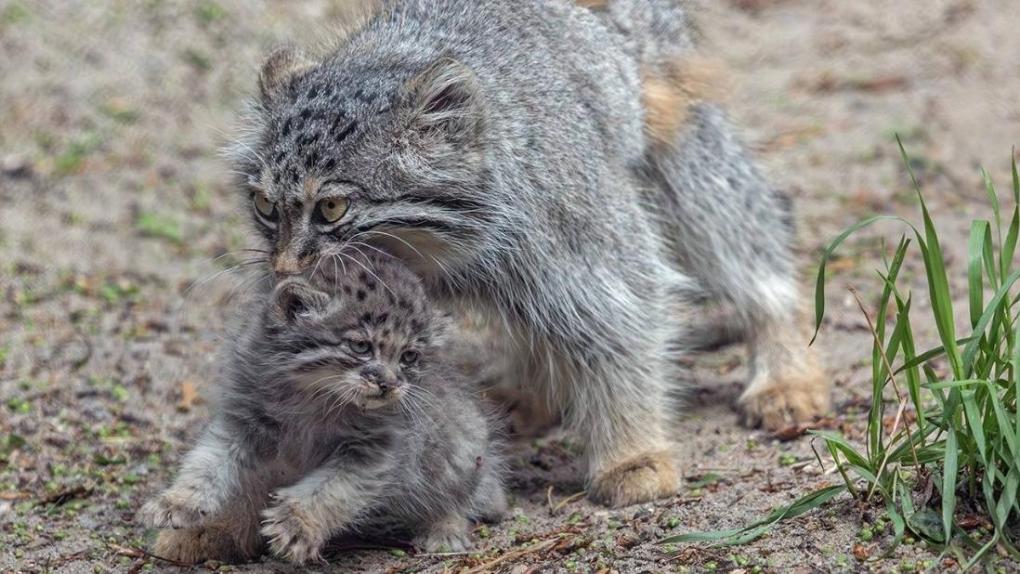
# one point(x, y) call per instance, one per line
point(282, 66)
point(295, 298)
point(442, 112)
point(443, 325)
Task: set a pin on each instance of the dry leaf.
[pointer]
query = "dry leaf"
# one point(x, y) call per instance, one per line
point(861, 552)
point(189, 396)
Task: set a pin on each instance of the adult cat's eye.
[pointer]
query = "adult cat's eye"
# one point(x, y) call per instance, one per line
point(265, 207)
point(409, 357)
point(360, 347)
point(333, 208)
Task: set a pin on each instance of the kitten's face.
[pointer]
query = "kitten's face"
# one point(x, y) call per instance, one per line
point(349, 155)
point(362, 340)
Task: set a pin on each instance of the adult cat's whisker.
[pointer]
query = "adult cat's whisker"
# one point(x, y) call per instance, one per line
point(446, 272)
point(367, 270)
point(391, 236)
point(196, 285)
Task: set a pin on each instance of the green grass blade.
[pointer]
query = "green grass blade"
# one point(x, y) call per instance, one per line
point(974, 420)
point(1008, 246)
point(806, 503)
point(993, 198)
point(928, 355)
point(845, 448)
point(979, 231)
point(949, 473)
point(970, 351)
point(913, 375)
point(938, 282)
point(1016, 179)
point(820, 282)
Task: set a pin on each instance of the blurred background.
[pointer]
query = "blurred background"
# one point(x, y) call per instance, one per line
point(117, 217)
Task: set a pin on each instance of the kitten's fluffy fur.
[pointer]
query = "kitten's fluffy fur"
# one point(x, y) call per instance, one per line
point(507, 151)
point(336, 415)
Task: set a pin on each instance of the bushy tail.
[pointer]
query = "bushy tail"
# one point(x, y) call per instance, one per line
point(659, 31)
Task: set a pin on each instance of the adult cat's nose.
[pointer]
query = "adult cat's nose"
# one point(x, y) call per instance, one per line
point(286, 265)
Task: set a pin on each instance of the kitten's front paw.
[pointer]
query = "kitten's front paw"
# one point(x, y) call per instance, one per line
point(292, 533)
point(175, 508)
point(639, 479)
point(777, 402)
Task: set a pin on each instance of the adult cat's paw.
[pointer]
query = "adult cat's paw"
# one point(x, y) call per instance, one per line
point(638, 479)
point(796, 396)
point(292, 533)
point(175, 508)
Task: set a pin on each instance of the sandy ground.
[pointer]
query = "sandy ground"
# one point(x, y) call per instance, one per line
point(116, 221)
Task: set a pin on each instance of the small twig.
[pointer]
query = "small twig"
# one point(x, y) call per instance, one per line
point(443, 554)
point(512, 555)
point(573, 497)
point(65, 496)
point(135, 552)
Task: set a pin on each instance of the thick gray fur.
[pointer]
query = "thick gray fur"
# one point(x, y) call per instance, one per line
point(499, 148)
point(322, 437)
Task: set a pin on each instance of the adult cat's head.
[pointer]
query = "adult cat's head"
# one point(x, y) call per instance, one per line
point(365, 149)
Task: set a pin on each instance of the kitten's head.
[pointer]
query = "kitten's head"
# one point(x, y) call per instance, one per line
point(363, 148)
point(364, 338)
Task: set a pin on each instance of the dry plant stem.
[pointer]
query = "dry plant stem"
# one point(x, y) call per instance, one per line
point(572, 498)
point(135, 552)
point(900, 397)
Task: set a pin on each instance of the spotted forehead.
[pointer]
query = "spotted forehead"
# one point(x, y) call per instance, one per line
point(321, 122)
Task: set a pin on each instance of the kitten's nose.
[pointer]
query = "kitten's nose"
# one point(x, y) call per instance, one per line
point(383, 378)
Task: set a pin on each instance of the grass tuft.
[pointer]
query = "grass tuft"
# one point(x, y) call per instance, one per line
point(952, 452)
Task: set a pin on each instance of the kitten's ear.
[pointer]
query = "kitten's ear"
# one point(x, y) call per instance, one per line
point(442, 108)
point(280, 68)
point(295, 298)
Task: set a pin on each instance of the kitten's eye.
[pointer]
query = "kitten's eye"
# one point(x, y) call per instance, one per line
point(333, 208)
point(265, 207)
point(360, 347)
point(409, 357)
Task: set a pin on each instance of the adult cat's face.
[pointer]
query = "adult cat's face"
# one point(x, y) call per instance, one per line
point(347, 156)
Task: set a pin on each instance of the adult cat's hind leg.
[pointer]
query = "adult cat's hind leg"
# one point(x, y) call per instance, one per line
point(734, 232)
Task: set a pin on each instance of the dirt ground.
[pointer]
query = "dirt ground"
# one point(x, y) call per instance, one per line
point(117, 222)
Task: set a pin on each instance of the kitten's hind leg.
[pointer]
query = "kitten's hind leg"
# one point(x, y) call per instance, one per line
point(231, 537)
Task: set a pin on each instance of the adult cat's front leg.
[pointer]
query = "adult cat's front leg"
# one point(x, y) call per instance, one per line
point(610, 370)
